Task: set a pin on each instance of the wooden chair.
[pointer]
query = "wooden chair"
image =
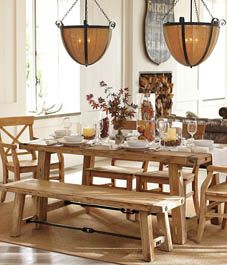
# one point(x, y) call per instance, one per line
point(117, 172)
point(216, 194)
point(12, 130)
point(161, 176)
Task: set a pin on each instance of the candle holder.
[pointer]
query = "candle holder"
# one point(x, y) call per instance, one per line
point(89, 132)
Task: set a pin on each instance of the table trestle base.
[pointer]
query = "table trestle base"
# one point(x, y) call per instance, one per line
point(123, 210)
point(83, 229)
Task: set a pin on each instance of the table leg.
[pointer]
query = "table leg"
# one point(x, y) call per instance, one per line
point(43, 172)
point(178, 214)
point(89, 161)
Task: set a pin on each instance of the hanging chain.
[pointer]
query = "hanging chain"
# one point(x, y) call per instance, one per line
point(208, 10)
point(70, 9)
point(196, 10)
point(86, 11)
point(171, 9)
point(111, 23)
point(221, 22)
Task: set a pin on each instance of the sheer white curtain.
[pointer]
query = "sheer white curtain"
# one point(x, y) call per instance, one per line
point(212, 73)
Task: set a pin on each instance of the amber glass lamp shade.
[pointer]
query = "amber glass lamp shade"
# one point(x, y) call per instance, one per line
point(86, 44)
point(191, 43)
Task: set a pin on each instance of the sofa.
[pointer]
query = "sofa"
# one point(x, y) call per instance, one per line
point(216, 129)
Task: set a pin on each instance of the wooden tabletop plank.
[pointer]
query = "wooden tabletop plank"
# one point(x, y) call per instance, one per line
point(176, 157)
point(96, 195)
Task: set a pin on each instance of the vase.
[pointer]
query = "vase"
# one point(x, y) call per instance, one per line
point(119, 137)
point(104, 125)
point(146, 117)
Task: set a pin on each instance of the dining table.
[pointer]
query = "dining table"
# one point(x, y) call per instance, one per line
point(174, 159)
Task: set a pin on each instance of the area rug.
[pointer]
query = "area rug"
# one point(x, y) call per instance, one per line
point(212, 250)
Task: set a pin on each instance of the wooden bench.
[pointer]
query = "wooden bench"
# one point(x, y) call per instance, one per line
point(144, 203)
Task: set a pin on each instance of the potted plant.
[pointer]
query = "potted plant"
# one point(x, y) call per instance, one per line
point(115, 104)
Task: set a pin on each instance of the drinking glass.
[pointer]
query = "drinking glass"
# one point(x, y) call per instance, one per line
point(161, 127)
point(178, 126)
point(67, 125)
point(192, 128)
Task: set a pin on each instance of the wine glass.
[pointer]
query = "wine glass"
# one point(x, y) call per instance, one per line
point(67, 125)
point(192, 128)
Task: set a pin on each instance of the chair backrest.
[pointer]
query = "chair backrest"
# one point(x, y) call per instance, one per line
point(12, 130)
point(198, 135)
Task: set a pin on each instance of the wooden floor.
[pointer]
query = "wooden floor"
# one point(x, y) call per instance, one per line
point(15, 255)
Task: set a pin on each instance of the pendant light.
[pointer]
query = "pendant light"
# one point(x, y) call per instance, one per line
point(191, 43)
point(86, 44)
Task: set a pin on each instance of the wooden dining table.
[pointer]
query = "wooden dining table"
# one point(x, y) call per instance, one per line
point(174, 159)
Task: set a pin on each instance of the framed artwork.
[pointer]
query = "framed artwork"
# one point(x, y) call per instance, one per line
point(160, 84)
point(155, 45)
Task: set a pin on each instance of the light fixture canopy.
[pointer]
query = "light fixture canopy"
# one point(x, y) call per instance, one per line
point(191, 43)
point(86, 44)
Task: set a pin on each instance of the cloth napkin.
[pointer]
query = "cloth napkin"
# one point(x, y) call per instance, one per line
point(193, 149)
point(219, 157)
point(200, 149)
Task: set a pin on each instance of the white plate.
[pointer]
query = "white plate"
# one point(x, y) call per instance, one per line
point(62, 141)
point(135, 148)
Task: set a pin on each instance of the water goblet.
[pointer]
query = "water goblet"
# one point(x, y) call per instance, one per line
point(192, 129)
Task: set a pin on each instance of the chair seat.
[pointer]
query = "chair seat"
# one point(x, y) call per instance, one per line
point(165, 175)
point(117, 169)
point(218, 190)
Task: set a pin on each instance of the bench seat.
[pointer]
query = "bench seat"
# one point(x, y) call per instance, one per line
point(144, 203)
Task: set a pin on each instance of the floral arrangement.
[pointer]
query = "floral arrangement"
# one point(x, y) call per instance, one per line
point(117, 104)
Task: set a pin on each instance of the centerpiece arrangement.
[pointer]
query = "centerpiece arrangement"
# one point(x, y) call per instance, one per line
point(116, 105)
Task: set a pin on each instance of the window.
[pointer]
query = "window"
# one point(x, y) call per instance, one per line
point(53, 78)
point(212, 80)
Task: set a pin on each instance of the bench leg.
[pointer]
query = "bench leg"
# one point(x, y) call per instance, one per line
point(146, 236)
point(17, 216)
point(36, 209)
point(164, 227)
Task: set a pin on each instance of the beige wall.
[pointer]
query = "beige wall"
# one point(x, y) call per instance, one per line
point(12, 57)
point(120, 66)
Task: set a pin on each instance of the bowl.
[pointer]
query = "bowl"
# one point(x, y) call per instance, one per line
point(137, 143)
point(73, 138)
point(60, 133)
point(204, 142)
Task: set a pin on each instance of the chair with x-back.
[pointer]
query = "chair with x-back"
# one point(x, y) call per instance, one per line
point(13, 130)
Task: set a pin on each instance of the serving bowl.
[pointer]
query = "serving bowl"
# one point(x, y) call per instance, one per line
point(137, 143)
